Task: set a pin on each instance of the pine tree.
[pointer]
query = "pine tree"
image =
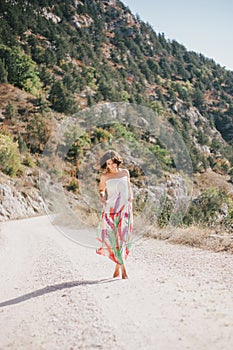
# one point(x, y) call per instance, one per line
point(22, 144)
point(3, 73)
point(10, 112)
point(61, 99)
point(198, 98)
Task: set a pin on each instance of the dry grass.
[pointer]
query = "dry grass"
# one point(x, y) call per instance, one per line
point(21, 99)
point(210, 179)
point(204, 238)
point(77, 214)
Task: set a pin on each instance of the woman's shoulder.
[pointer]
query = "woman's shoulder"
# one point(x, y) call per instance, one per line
point(104, 176)
point(124, 172)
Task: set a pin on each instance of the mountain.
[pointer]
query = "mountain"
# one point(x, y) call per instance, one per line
point(60, 57)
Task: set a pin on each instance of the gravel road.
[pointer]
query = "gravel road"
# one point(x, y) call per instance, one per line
point(56, 294)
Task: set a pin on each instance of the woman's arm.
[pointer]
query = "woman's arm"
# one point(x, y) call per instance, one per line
point(102, 189)
point(130, 192)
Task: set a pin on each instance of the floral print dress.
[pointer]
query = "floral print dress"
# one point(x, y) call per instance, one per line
point(116, 225)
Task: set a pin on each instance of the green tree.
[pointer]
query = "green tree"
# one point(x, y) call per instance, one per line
point(165, 68)
point(22, 71)
point(3, 72)
point(45, 76)
point(198, 98)
point(61, 99)
point(202, 138)
point(38, 132)
point(22, 144)
point(10, 112)
point(50, 58)
point(153, 65)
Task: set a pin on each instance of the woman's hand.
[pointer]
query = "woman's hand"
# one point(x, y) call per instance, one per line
point(102, 198)
point(102, 190)
point(102, 201)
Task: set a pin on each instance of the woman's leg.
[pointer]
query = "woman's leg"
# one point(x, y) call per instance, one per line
point(123, 272)
point(117, 271)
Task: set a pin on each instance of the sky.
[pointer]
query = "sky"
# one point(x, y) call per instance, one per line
point(203, 26)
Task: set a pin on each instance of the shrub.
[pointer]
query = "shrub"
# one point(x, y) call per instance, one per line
point(205, 209)
point(166, 212)
point(9, 156)
point(28, 161)
point(73, 186)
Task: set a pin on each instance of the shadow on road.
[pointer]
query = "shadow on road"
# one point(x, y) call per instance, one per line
point(53, 288)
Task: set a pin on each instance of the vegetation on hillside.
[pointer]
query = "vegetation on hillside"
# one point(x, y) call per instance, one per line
point(69, 55)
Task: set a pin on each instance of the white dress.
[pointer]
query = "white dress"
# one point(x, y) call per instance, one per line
point(116, 224)
point(118, 193)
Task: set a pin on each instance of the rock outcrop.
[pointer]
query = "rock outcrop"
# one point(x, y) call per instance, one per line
point(18, 203)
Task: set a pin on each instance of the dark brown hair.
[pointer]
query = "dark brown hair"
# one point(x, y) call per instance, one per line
point(113, 155)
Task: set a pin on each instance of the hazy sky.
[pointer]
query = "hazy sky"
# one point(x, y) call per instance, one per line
point(203, 26)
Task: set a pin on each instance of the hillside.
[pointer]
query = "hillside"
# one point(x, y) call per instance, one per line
point(59, 57)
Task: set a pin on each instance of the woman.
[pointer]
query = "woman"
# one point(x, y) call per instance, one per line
point(116, 226)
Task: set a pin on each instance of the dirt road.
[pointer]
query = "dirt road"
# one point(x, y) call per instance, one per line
point(56, 294)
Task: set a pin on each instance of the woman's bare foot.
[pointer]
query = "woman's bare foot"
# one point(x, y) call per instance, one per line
point(117, 271)
point(123, 272)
